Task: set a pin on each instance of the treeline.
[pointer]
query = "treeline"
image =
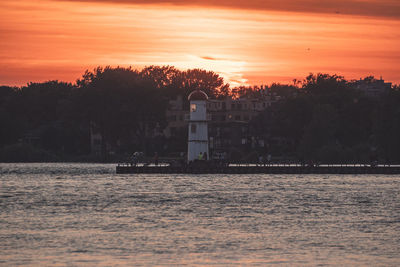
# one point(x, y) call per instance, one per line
point(328, 120)
point(321, 117)
point(54, 120)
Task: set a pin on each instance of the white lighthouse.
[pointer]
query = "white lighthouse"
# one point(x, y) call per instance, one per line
point(198, 131)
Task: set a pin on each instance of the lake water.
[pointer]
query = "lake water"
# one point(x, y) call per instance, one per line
point(86, 215)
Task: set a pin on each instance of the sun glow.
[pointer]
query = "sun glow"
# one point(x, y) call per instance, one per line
point(59, 40)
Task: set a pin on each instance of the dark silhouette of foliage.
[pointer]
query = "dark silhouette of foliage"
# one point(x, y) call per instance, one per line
point(322, 118)
point(11, 125)
point(121, 104)
point(176, 82)
point(126, 106)
point(386, 129)
point(274, 90)
point(328, 120)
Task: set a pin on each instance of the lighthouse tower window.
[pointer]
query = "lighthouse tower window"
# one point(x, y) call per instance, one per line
point(193, 128)
point(192, 107)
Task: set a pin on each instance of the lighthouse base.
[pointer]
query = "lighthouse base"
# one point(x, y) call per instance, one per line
point(195, 148)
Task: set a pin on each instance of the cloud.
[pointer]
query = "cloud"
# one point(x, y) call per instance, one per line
point(212, 58)
point(375, 8)
point(209, 58)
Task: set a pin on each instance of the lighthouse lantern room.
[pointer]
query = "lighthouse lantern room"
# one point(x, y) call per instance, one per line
point(198, 131)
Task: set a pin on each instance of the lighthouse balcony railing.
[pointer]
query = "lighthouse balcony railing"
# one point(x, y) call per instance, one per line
point(208, 117)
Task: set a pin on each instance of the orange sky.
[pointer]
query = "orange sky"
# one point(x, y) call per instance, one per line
point(257, 43)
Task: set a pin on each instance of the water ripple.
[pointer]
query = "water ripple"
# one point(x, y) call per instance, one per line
point(85, 214)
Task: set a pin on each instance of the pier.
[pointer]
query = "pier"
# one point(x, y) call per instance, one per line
point(258, 169)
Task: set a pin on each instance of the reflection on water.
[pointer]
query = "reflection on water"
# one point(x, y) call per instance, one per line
point(85, 214)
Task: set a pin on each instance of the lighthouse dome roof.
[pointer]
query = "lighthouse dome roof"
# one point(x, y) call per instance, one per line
point(197, 95)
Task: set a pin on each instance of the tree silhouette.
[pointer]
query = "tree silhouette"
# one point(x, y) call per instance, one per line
point(323, 118)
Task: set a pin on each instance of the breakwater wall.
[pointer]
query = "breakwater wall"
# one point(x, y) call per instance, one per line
point(245, 169)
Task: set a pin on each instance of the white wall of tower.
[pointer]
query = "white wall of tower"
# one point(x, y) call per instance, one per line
point(198, 129)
